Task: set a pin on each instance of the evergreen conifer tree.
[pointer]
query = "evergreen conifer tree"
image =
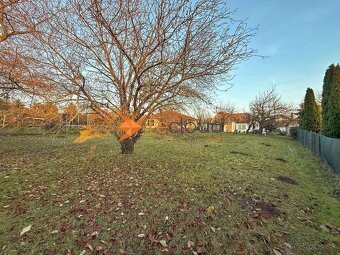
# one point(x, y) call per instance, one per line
point(309, 118)
point(331, 102)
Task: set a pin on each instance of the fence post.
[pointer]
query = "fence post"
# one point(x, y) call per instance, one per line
point(319, 139)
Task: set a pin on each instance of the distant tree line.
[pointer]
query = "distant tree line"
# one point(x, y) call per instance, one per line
point(13, 113)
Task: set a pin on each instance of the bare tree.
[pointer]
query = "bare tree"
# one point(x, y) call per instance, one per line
point(20, 71)
point(21, 17)
point(267, 109)
point(201, 112)
point(225, 107)
point(224, 112)
point(135, 57)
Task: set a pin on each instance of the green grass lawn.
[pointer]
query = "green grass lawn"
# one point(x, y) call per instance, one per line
point(193, 194)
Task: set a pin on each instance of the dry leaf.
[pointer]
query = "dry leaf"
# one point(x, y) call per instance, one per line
point(163, 243)
point(89, 246)
point(190, 244)
point(241, 251)
point(211, 210)
point(99, 248)
point(277, 252)
point(95, 233)
point(25, 230)
point(324, 228)
point(288, 245)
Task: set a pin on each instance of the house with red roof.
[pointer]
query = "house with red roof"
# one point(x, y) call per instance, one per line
point(235, 122)
point(232, 122)
point(166, 117)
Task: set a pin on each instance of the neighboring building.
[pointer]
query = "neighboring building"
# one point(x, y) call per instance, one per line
point(235, 122)
point(167, 117)
point(232, 122)
point(285, 123)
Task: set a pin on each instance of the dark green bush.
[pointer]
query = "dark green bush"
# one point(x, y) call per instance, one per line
point(50, 125)
point(293, 132)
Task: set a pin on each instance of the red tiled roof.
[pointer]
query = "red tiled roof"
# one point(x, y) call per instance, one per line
point(235, 117)
point(171, 116)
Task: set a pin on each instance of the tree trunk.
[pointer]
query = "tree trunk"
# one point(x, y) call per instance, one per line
point(251, 125)
point(261, 129)
point(127, 146)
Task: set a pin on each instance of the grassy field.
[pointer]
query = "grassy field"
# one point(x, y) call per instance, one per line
point(194, 194)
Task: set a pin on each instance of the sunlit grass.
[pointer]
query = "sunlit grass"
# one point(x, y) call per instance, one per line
point(89, 196)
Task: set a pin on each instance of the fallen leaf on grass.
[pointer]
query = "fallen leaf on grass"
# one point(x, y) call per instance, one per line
point(99, 248)
point(95, 234)
point(141, 235)
point(54, 232)
point(288, 245)
point(190, 244)
point(210, 210)
point(277, 252)
point(163, 243)
point(89, 246)
point(324, 228)
point(200, 248)
point(241, 251)
point(25, 230)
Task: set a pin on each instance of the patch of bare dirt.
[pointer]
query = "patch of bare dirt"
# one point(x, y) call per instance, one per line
point(240, 153)
point(282, 160)
point(260, 209)
point(286, 179)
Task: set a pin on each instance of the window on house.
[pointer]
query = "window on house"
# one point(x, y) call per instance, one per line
point(241, 127)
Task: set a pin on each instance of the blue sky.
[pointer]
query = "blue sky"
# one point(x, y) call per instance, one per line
point(301, 39)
